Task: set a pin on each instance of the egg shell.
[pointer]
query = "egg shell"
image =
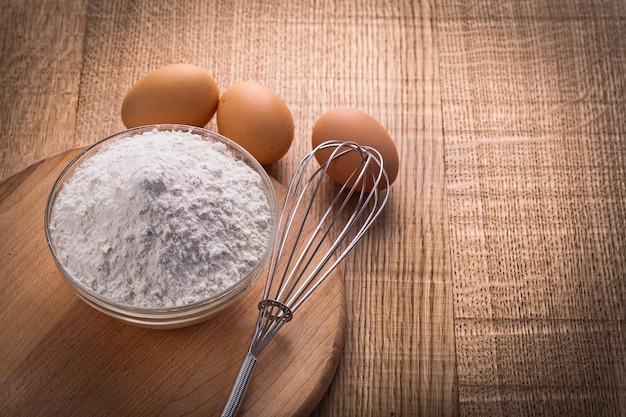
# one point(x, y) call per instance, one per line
point(176, 93)
point(353, 125)
point(256, 118)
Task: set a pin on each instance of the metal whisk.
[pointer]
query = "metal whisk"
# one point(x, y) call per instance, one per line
point(296, 271)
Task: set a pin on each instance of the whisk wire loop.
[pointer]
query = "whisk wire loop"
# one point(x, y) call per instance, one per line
point(301, 258)
point(290, 271)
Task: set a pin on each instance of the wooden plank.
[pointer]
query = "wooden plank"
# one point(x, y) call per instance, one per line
point(40, 62)
point(399, 355)
point(533, 107)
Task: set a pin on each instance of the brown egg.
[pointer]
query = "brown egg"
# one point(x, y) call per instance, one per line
point(176, 93)
point(257, 119)
point(353, 125)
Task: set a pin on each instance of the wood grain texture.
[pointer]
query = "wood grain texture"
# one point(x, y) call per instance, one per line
point(40, 65)
point(535, 140)
point(381, 57)
point(61, 357)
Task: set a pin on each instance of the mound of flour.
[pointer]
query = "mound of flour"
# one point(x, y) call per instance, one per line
point(161, 219)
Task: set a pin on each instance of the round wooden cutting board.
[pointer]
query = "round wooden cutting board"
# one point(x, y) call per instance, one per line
point(59, 356)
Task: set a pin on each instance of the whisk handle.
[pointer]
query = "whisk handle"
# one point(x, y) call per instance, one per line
point(239, 386)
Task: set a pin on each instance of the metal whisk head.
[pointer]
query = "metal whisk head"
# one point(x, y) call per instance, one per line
point(304, 256)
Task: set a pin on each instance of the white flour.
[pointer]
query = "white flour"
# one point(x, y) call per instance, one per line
point(161, 219)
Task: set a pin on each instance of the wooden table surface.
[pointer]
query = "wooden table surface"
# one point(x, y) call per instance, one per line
point(495, 284)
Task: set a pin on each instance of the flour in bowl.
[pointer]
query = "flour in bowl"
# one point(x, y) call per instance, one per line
point(161, 219)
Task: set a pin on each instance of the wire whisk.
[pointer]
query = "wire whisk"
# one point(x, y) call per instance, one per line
point(302, 257)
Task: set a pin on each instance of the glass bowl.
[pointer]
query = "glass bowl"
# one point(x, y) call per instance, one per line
point(163, 317)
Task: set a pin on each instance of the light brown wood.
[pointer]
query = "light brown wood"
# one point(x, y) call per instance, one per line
point(66, 66)
point(61, 357)
point(501, 253)
point(535, 121)
point(40, 73)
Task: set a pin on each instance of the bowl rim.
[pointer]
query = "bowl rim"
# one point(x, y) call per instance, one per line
point(140, 313)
